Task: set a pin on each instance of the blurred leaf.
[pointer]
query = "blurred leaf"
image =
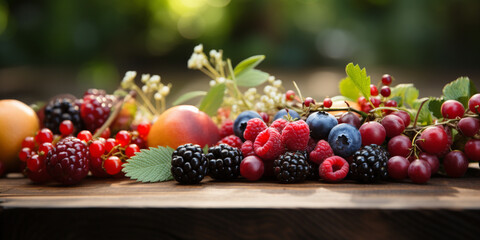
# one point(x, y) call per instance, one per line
point(248, 64)
point(425, 116)
point(407, 92)
point(342, 98)
point(150, 165)
point(359, 78)
point(461, 90)
point(252, 78)
point(434, 105)
point(212, 101)
point(189, 95)
point(348, 89)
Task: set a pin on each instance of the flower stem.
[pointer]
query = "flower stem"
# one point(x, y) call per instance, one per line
point(145, 99)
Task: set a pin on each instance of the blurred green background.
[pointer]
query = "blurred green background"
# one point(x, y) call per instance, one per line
point(76, 44)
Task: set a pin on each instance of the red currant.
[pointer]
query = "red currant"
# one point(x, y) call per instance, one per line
point(131, 149)
point(386, 79)
point(123, 138)
point(105, 134)
point(290, 95)
point(452, 109)
point(112, 165)
point(327, 102)
point(28, 142)
point(373, 90)
point(110, 144)
point(44, 135)
point(393, 125)
point(33, 163)
point(372, 133)
point(143, 129)
point(472, 150)
point(97, 148)
point(362, 100)
point(419, 171)
point(474, 103)
point(84, 135)
point(25, 154)
point(385, 91)
point(252, 168)
point(139, 142)
point(96, 167)
point(469, 126)
point(45, 148)
point(397, 167)
point(308, 101)
point(366, 107)
point(66, 127)
point(375, 101)
point(455, 164)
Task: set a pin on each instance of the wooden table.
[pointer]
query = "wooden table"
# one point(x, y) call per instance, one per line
point(125, 209)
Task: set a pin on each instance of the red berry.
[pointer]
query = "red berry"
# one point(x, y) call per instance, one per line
point(247, 149)
point(279, 124)
point(226, 129)
point(69, 161)
point(39, 174)
point(375, 101)
point(123, 138)
point(308, 101)
point(265, 117)
point(327, 102)
point(24, 154)
point(333, 169)
point(311, 145)
point(373, 90)
point(295, 136)
point(386, 79)
point(45, 149)
point(366, 107)
point(419, 171)
point(350, 118)
point(110, 144)
point(44, 135)
point(253, 128)
point(455, 164)
point(474, 103)
point(290, 95)
point(141, 143)
point(432, 160)
point(385, 91)
point(393, 125)
point(372, 133)
point(96, 167)
point(95, 110)
point(472, 150)
point(105, 134)
point(433, 140)
point(143, 129)
point(131, 149)
point(268, 144)
point(84, 135)
point(452, 109)
point(404, 116)
point(66, 127)
point(252, 168)
point(112, 165)
point(33, 163)
point(231, 140)
point(397, 167)
point(97, 148)
point(362, 100)
point(469, 126)
point(321, 152)
point(399, 146)
point(28, 142)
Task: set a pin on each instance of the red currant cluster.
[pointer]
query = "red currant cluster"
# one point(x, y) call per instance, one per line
point(376, 100)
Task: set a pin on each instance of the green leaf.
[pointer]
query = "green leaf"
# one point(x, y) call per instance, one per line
point(342, 98)
point(461, 90)
point(189, 95)
point(435, 105)
point(348, 89)
point(212, 101)
point(252, 78)
point(359, 78)
point(407, 92)
point(150, 165)
point(248, 64)
point(425, 116)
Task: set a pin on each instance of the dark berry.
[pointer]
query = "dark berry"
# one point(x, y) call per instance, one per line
point(58, 111)
point(404, 116)
point(252, 168)
point(224, 162)
point(419, 171)
point(69, 161)
point(432, 160)
point(189, 164)
point(393, 125)
point(452, 109)
point(291, 167)
point(284, 113)
point(240, 122)
point(399, 146)
point(386, 79)
point(320, 124)
point(455, 164)
point(469, 126)
point(344, 139)
point(96, 167)
point(398, 167)
point(369, 164)
point(95, 110)
point(472, 150)
point(350, 118)
point(385, 91)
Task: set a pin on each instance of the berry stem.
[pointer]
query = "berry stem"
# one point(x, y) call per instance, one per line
point(363, 114)
point(418, 112)
point(298, 90)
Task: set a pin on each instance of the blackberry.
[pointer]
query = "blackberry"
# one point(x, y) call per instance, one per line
point(369, 164)
point(291, 167)
point(95, 110)
point(224, 162)
point(189, 164)
point(69, 161)
point(60, 110)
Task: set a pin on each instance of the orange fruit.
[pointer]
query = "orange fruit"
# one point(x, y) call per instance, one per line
point(342, 104)
point(183, 124)
point(17, 121)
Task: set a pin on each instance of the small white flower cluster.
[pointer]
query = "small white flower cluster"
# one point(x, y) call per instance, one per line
point(198, 58)
point(129, 80)
point(217, 81)
point(153, 84)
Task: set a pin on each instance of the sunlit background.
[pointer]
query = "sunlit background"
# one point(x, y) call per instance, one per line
point(56, 46)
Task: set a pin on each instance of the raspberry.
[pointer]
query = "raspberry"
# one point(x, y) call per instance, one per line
point(254, 127)
point(268, 145)
point(333, 169)
point(226, 129)
point(231, 140)
point(295, 135)
point(95, 110)
point(321, 152)
point(69, 161)
point(279, 124)
point(247, 149)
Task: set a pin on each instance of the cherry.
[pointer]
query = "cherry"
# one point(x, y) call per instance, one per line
point(112, 165)
point(110, 144)
point(455, 164)
point(66, 127)
point(373, 90)
point(452, 109)
point(372, 133)
point(123, 138)
point(143, 129)
point(433, 140)
point(84, 135)
point(44, 135)
point(419, 171)
point(327, 102)
point(432, 160)
point(393, 125)
point(472, 150)
point(469, 126)
point(24, 154)
point(385, 91)
point(290, 95)
point(397, 167)
point(399, 146)
point(28, 142)
point(308, 101)
point(350, 118)
point(252, 168)
point(131, 149)
point(97, 148)
point(386, 79)
point(474, 103)
point(375, 101)
point(404, 116)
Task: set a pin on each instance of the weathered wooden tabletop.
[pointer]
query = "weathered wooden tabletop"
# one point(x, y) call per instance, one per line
point(444, 207)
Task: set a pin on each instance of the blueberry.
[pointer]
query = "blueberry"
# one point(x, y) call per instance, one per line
point(240, 122)
point(345, 140)
point(283, 112)
point(320, 124)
